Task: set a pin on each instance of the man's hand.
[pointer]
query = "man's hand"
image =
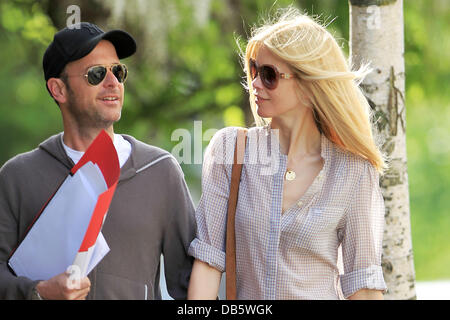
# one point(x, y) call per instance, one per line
point(62, 287)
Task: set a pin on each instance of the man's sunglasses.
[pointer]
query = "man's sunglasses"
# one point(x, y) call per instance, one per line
point(96, 74)
point(268, 74)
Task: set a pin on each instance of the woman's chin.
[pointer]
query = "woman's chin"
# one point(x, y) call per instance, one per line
point(263, 114)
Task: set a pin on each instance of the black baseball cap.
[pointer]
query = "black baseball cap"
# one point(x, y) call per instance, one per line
point(70, 44)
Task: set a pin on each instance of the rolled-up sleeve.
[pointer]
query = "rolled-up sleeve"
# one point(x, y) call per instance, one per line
point(363, 236)
point(209, 244)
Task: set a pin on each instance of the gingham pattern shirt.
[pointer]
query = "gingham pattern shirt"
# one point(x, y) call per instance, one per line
point(292, 254)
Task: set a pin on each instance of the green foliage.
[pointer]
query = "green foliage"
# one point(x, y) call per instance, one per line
point(27, 19)
point(427, 61)
point(427, 46)
point(428, 143)
point(28, 114)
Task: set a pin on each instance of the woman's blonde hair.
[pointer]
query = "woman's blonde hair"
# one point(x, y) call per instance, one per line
point(341, 111)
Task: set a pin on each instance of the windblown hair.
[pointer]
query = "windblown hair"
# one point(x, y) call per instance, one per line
point(341, 111)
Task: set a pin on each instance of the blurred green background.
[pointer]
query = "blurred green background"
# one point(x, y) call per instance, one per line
point(188, 69)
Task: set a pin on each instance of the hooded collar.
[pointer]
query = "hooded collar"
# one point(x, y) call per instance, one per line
point(140, 155)
point(54, 147)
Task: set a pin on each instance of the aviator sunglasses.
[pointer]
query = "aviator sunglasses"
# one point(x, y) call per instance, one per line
point(96, 74)
point(269, 74)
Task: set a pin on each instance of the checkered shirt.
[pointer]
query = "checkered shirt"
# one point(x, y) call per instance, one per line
point(292, 254)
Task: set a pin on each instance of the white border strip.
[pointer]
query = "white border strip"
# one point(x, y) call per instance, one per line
point(156, 161)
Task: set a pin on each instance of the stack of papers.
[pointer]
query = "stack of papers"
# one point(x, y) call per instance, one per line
point(66, 234)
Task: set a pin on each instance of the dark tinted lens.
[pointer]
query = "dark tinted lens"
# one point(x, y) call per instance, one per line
point(253, 69)
point(96, 75)
point(120, 72)
point(269, 77)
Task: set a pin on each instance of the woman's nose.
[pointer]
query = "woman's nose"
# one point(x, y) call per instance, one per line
point(257, 83)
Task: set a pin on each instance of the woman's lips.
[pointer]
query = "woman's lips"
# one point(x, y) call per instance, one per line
point(259, 100)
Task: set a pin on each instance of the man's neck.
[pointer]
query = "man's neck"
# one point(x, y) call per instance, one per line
point(81, 140)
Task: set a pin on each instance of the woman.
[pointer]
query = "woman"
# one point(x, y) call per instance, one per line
point(324, 192)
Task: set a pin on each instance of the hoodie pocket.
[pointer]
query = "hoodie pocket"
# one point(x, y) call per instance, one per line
point(111, 287)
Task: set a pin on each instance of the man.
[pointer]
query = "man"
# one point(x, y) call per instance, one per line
point(151, 212)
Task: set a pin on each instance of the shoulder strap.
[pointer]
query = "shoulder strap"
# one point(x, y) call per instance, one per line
point(230, 261)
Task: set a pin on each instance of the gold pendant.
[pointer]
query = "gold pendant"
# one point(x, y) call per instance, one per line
point(290, 175)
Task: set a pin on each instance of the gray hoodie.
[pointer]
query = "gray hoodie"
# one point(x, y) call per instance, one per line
point(151, 214)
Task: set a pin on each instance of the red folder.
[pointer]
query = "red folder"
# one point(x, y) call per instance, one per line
point(47, 251)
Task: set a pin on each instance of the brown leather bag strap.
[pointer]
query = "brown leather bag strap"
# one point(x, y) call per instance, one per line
point(230, 260)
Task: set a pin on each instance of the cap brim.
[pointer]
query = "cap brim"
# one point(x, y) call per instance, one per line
point(123, 42)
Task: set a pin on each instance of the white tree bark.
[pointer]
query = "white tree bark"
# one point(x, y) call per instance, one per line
point(376, 36)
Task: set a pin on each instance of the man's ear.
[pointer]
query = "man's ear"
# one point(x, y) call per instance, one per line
point(58, 89)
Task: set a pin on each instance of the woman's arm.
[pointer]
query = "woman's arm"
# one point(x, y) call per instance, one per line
point(362, 239)
point(204, 283)
point(367, 294)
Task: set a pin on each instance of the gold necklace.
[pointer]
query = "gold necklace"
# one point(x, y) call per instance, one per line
point(290, 175)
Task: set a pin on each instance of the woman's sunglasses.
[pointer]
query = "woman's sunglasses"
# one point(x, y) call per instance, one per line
point(268, 74)
point(96, 74)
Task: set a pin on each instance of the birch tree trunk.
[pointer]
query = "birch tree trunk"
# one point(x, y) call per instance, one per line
point(376, 36)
